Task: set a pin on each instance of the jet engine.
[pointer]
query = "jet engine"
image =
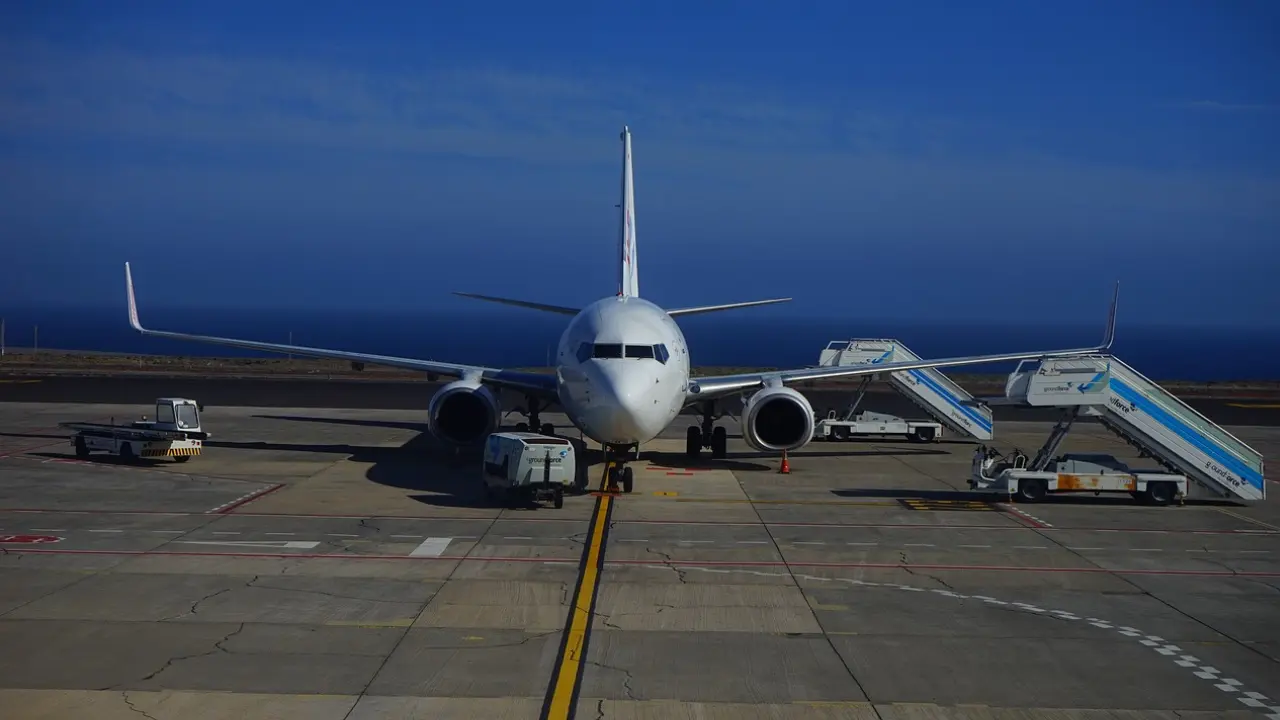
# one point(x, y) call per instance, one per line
point(464, 412)
point(777, 418)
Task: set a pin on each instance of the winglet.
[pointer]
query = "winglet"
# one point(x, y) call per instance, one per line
point(133, 303)
point(1110, 336)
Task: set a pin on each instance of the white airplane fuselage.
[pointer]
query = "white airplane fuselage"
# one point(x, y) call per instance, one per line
point(622, 369)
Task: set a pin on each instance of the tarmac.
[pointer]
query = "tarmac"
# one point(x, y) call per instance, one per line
point(333, 563)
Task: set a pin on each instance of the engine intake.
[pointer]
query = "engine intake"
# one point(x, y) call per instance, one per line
point(777, 418)
point(464, 412)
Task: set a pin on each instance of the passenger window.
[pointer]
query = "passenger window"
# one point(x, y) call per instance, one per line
point(607, 350)
point(584, 352)
point(660, 352)
point(640, 351)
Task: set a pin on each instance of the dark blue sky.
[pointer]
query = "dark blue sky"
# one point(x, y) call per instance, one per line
point(927, 160)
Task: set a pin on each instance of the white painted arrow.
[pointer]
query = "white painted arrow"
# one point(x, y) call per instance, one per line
point(297, 544)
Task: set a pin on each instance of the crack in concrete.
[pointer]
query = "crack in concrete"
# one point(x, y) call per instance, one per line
point(668, 562)
point(195, 606)
point(125, 695)
point(626, 678)
point(217, 648)
point(905, 565)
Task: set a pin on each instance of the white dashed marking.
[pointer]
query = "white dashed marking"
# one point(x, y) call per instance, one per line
point(1230, 686)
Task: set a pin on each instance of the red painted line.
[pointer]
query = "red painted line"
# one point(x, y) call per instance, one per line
point(679, 473)
point(248, 499)
point(677, 563)
point(709, 523)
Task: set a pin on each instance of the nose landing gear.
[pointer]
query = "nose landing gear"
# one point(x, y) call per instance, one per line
point(708, 435)
point(616, 471)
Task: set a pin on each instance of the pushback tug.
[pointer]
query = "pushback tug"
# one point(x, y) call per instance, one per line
point(175, 432)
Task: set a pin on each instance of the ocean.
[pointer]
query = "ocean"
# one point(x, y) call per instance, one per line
point(519, 338)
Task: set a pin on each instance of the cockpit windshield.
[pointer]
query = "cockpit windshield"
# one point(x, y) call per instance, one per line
point(610, 351)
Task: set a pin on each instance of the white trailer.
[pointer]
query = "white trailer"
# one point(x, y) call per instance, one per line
point(1072, 472)
point(175, 432)
point(528, 466)
point(843, 427)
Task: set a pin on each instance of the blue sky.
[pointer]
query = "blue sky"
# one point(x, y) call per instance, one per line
point(922, 160)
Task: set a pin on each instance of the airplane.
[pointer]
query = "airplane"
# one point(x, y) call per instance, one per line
point(622, 372)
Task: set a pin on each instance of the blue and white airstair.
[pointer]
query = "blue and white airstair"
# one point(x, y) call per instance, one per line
point(1146, 416)
point(929, 389)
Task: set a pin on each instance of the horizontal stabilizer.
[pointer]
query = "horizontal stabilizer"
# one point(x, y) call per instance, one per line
point(728, 306)
point(558, 309)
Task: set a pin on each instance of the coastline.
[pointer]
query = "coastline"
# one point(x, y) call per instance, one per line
point(24, 362)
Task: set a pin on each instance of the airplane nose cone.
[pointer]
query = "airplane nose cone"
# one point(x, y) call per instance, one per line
point(625, 401)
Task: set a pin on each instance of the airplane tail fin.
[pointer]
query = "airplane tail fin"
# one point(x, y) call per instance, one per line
point(629, 276)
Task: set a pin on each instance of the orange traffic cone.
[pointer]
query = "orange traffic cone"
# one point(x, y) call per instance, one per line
point(785, 469)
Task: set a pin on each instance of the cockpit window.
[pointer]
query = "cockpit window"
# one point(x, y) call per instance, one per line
point(587, 351)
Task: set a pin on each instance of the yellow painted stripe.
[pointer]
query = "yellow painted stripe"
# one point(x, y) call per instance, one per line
point(562, 695)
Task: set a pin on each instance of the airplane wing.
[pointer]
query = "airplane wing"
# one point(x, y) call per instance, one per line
point(542, 385)
point(712, 387)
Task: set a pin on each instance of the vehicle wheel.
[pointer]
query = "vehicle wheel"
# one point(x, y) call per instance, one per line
point(1032, 490)
point(126, 452)
point(693, 441)
point(839, 433)
point(522, 427)
point(719, 442)
point(559, 498)
point(628, 480)
point(548, 429)
point(82, 450)
point(181, 458)
point(923, 434)
point(1160, 493)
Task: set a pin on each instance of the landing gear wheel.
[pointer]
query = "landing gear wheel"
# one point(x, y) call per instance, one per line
point(693, 441)
point(558, 499)
point(548, 429)
point(1032, 490)
point(126, 452)
point(719, 442)
point(522, 427)
point(628, 480)
point(1159, 493)
point(82, 450)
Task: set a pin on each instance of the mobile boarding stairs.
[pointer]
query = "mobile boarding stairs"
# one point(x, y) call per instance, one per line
point(1198, 457)
point(930, 390)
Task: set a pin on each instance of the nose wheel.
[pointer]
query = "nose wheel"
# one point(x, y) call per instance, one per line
point(707, 435)
point(617, 474)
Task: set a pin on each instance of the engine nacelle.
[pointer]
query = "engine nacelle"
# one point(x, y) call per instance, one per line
point(463, 413)
point(777, 418)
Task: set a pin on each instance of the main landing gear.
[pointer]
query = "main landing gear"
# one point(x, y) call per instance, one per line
point(616, 471)
point(708, 435)
point(535, 419)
